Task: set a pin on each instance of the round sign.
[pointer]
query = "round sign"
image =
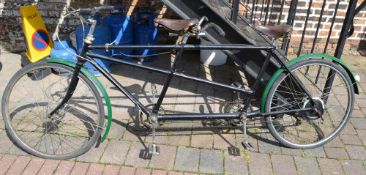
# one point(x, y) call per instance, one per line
point(40, 40)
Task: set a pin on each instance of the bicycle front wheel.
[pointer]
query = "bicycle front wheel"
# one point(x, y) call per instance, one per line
point(332, 105)
point(31, 95)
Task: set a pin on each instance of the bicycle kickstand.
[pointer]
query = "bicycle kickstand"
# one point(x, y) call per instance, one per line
point(153, 148)
point(245, 142)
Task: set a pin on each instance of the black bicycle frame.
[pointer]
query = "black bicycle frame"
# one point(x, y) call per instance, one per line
point(179, 49)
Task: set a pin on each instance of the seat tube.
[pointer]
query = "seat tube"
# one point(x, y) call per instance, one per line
point(182, 40)
point(258, 80)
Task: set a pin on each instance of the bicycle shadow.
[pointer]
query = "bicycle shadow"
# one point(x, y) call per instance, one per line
point(136, 127)
point(208, 99)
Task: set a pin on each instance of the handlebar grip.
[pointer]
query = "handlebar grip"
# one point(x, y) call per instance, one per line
point(85, 11)
point(104, 7)
point(90, 11)
point(217, 28)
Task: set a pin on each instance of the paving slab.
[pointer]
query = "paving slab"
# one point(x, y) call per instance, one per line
point(95, 169)
point(336, 142)
point(49, 167)
point(306, 166)
point(138, 155)
point(356, 152)
point(33, 166)
point(211, 161)
point(142, 171)
point(314, 152)
point(166, 158)
point(330, 166)
point(115, 152)
point(6, 162)
point(159, 172)
point(5, 143)
point(19, 165)
point(64, 167)
point(80, 168)
point(111, 170)
point(235, 165)
point(202, 141)
point(336, 153)
point(260, 164)
point(269, 148)
point(291, 151)
point(350, 139)
point(359, 123)
point(224, 141)
point(187, 159)
point(94, 154)
point(354, 167)
point(283, 164)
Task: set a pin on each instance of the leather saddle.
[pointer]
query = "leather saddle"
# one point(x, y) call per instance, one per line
point(275, 31)
point(176, 25)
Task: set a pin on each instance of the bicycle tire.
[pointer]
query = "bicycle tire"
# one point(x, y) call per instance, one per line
point(72, 114)
point(274, 125)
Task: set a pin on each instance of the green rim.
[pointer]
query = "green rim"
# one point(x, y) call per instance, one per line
point(100, 87)
point(298, 59)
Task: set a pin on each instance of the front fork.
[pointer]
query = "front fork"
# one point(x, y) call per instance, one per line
point(71, 88)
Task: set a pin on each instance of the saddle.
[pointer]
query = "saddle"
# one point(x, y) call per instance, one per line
point(275, 31)
point(176, 25)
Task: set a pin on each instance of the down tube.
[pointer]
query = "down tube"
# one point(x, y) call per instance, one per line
point(121, 88)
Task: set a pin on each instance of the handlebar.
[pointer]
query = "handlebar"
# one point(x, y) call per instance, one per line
point(92, 11)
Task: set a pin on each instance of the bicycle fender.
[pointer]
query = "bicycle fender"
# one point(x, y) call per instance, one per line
point(298, 59)
point(98, 84)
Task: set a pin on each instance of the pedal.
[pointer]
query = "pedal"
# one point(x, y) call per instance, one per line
point(154, 149)
point(248, 146)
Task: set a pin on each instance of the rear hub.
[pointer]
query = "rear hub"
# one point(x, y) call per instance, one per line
point(317, 108)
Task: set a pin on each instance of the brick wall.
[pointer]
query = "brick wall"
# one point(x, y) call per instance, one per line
point(356, 43)
point(11, 35)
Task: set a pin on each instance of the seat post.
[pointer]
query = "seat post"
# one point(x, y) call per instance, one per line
point(175, 56)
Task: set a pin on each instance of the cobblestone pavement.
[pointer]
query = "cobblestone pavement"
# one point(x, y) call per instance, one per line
point(193, 147)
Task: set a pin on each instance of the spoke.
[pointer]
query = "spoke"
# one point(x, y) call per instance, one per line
point(288, 97)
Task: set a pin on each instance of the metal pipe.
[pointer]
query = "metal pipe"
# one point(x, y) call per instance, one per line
point(267, 11)
point(252, 13)
point(305, 27)
point(340, 46)
point(319, 24)
point(185, 47)
point(260, 114)
point(290, 21)
point(191, 117)
point(121, 88)
point(235, 11)
point(167, 72)
point(331, 26)
point(281, 11)
point(214, 83)
point(198, 116)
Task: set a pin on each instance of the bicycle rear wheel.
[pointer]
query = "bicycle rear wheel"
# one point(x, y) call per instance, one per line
point(30, 96)
point(310, 129)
